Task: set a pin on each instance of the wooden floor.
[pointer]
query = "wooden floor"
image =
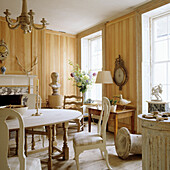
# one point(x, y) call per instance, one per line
point(90, 160)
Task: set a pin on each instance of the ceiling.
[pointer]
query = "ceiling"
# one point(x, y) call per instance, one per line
point(72, 16)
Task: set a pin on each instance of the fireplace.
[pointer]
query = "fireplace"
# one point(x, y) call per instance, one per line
point(12, 87)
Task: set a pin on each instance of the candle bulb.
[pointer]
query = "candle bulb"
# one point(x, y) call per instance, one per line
point(37, 82)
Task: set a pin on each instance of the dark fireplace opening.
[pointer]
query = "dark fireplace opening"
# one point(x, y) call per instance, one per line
point(10, 99)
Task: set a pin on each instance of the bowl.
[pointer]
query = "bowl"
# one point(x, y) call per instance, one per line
point(19, 108)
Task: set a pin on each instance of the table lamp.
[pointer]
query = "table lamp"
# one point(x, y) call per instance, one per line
point(104, 77)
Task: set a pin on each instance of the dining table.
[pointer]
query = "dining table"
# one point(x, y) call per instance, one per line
point(48, 118)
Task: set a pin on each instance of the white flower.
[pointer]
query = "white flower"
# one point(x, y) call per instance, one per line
point(86, 77)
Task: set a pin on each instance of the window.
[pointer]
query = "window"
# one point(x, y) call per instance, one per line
point(155, 53)
point(91, 59)
point(160, 58)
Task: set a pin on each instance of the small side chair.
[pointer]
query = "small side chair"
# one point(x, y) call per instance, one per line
point(86, 141)
point(21, 162)
point(30, 100)
point(75, 103)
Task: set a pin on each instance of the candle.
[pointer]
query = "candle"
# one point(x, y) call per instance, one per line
point(37, 82)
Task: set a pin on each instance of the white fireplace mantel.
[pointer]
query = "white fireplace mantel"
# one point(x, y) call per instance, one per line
point(10, 80)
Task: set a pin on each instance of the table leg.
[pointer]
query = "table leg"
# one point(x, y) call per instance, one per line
point(115, 126)
point(50, 148)
point(65, 140)
point(16, 139)
point(89, 121)
point(33, 142)
point(132, 122)
point(26, 144)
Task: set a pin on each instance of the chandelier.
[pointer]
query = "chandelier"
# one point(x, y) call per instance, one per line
point(26, 20)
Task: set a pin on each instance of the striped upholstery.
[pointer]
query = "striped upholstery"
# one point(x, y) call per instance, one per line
point(31, 163)
point(82, 138)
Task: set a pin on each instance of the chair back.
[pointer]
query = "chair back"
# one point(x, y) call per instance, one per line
point(104, 116)
point(4, 138)
point(73, 102)
point(30, 100)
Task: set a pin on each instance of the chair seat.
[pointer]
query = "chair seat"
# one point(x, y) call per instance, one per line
point(31, 163)
point(84, 138)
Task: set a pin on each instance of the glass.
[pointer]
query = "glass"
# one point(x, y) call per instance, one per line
point(161, 51)
point(160, 28)
point(159, 73)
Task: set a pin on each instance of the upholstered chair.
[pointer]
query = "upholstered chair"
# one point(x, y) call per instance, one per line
point(87, 140)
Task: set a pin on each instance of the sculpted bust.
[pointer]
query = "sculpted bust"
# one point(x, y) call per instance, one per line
point(54, 84)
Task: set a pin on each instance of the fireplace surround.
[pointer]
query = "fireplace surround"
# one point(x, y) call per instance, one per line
point(12, 87)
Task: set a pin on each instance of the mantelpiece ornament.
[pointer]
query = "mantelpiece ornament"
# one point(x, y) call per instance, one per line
point(27, 71)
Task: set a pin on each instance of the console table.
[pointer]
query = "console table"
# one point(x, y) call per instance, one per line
point(120, 113)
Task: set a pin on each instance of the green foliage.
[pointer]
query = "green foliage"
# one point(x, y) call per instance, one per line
point(113, 102)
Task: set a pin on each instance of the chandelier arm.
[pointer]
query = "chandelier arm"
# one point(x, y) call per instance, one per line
point(38, 28)
point(10, 22)
point(13, 27)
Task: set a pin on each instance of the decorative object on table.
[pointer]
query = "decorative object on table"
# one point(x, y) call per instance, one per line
point(123, 101)
point(156, 115)
point(25, 20)
point(127, 143)
point(55, 100)
point(3, 50)
point(81, 79)
point(3, 69)
point(113, 105)
point(120, 76)
point(28, 70)
point(156, 92)
point(157, 106)
point(37, 98)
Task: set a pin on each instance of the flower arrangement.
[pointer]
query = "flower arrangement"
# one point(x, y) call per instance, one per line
point(80, 78)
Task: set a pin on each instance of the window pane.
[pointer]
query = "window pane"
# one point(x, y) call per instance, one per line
point(159, 74)
point(160, 28)
point(164, 93)
point(160, 51)
point(169, 75)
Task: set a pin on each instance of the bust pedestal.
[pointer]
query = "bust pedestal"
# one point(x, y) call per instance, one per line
point(158, 106)
point(55, 101)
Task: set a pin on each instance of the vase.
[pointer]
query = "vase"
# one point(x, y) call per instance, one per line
point(113, 108)
point(84, 97)
point(3, 69)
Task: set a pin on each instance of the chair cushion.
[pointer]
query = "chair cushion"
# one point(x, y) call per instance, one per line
point(84, 138)
point(31, 163)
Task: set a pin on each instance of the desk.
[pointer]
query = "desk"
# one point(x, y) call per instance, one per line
point(155, 143)
point(115, 116)
point(49, 118)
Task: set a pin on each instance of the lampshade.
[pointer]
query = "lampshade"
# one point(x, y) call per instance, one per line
point(104, 77)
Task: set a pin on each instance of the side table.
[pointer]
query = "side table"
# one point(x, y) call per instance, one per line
point(115, 116)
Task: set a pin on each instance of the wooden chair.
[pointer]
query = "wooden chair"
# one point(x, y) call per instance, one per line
point(75, 103)
point(20, 162)
point(30, 100)
point(86, 140)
